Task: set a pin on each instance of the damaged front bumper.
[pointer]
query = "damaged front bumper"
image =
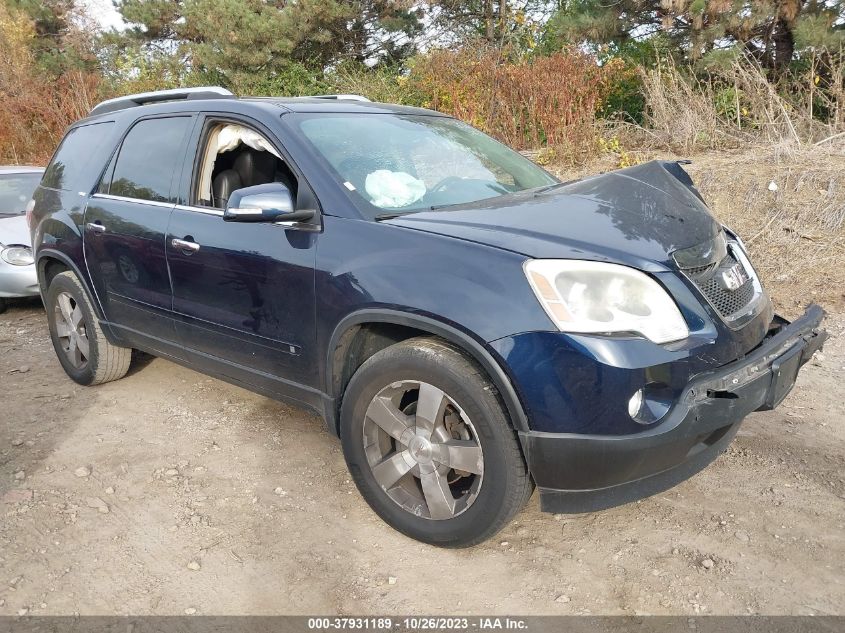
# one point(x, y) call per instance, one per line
point(585, 473)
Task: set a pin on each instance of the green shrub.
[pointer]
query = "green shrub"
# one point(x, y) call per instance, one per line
point(624, 98)
point(386, 84)
point(293, 80)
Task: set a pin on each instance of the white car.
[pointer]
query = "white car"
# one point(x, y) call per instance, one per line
point(17, 266)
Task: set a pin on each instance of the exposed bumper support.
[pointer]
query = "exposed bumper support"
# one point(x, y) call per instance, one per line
point(584, 473)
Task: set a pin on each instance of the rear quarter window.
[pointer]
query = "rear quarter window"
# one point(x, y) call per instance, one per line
point(80, 146)
point(148, 160)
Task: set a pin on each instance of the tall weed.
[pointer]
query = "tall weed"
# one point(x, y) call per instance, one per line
point(734, 106)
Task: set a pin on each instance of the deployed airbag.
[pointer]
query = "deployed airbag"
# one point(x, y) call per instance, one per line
point(233, 135)
point(393, 188)
point(225, 139)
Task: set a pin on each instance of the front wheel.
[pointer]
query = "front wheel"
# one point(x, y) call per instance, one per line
point(429, 445)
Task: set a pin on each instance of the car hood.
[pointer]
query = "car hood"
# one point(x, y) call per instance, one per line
point(637, 216)
point(14, 230)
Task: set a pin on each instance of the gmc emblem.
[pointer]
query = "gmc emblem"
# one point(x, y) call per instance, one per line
point(734, 277)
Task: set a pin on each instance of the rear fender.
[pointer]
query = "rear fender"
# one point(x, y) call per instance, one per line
point(44, 257)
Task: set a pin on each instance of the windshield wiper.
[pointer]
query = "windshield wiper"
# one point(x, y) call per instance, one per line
point(555, 185)
point(388, 216)
point(436, 207)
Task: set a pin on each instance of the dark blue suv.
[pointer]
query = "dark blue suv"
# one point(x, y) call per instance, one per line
point(467, 324)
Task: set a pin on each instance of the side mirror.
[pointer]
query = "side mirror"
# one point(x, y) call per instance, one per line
point(264, 203)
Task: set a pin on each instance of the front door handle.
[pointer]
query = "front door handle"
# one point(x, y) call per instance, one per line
point(95, 227)
point(185, 246)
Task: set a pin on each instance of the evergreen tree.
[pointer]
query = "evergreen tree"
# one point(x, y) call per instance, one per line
point(497, 22)
point(59, 40)
point(244, 43)
point(767, 30)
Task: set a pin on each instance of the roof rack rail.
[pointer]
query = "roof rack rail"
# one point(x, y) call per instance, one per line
point(177, 94)
point(346, 97)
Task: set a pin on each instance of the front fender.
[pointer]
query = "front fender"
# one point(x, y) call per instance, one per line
point(464, 340)
point(464, 292)
point(473, 287)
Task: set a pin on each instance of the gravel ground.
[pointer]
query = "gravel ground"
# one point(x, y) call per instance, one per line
point(168, 492)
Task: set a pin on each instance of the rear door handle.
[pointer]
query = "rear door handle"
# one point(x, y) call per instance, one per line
point(95, 227)
point(185, 246)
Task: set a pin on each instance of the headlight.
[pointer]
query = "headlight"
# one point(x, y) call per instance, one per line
point(18, 255)
point(600, 298)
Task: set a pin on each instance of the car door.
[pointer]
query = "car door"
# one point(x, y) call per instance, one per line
point(125, 226)
point(243, 293)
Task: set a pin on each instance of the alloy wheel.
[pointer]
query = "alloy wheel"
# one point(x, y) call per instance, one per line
point(71, 330)
point(423, 450)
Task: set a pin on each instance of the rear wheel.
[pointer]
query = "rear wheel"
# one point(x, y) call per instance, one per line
point(429, 445)
point(82, 348)
point(2, 305)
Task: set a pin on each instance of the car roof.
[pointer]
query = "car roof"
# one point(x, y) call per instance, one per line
point(217, 99)
point(20, 169)
point(351, 106)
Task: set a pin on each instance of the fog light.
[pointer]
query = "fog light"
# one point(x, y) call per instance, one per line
point(635, 403)
point(649, 404)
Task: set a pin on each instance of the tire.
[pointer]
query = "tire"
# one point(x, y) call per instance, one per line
point(3, 305)
point(471, 494)
point(95, 363)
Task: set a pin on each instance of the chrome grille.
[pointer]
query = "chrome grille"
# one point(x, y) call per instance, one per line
point(699, 271)
point(728, 303)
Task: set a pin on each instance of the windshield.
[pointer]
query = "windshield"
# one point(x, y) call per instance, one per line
point(406, 163)
point(16, 191)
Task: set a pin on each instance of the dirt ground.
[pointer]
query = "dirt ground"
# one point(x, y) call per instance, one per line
point(168, 492)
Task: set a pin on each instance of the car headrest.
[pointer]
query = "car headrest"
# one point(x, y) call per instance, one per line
point(255, 167)
point(223, 185)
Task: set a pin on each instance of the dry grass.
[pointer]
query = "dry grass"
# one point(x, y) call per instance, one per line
point(681, 115)
point(731, 109)
point(796, 234)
